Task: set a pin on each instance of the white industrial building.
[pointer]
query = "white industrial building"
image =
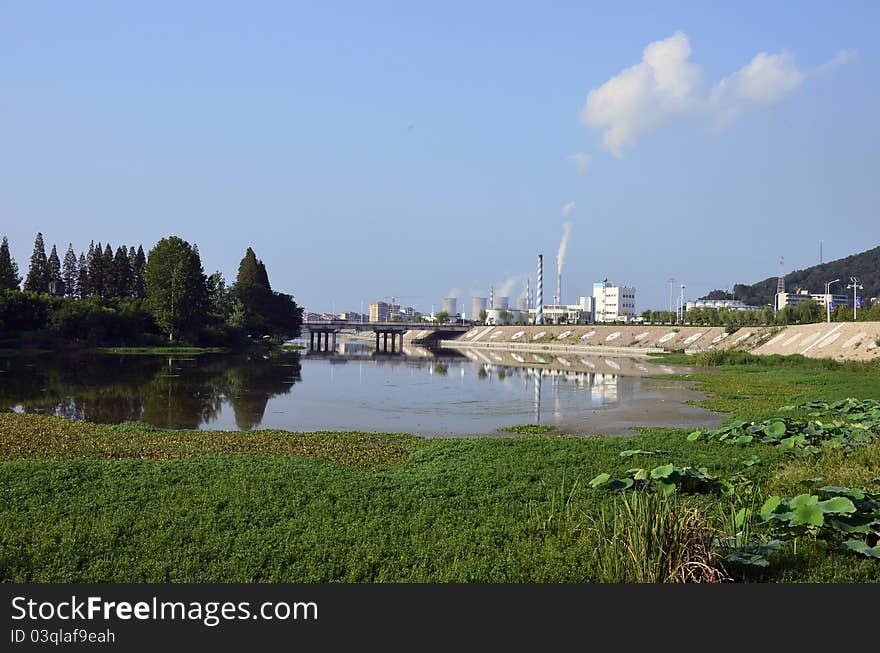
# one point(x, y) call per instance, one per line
point(784, 299)
point(499, 316)
point(580, 313)
point(613, 303)
point(731, 304)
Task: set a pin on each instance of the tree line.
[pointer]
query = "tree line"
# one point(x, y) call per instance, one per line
point(126, 296)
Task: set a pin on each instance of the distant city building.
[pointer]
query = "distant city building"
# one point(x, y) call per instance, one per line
point(310, 316)
point(731, 304)
point(352, 316)
point(580, 313)
point(380, 312)
point(613, 303)
point(784, 299)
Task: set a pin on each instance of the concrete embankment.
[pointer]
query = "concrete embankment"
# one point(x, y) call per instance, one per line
point(837, 340)
point(840, 341)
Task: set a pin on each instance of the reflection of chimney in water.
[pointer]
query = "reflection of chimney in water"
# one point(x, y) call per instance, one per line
point(537, 378)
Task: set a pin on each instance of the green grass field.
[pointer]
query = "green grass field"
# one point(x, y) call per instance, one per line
point(84, 503)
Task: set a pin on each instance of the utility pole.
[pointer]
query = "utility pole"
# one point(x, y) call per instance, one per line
point(855, 285)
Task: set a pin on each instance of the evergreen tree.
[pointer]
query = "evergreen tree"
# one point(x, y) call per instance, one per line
point(69, 271)
point(95, 275)
point(82, 277)
point(121, 276)
point(137, 271)
point(132, 266)
point(53, 265)
point(9, 277)
point(38, 272)
point(107, 290)
point(265, 311)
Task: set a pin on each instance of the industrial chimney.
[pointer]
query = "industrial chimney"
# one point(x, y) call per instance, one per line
point(539, 306)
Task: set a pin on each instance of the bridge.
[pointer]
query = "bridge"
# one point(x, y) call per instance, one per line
point(326, 330)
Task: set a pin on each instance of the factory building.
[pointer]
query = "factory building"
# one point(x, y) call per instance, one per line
point(730, 304)
point(580, 313)
point(500, 316)
point(784, 299)
point(613, 303)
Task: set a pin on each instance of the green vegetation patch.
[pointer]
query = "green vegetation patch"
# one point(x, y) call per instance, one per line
point(159, 351)
point(39, 436)
point(528, 429)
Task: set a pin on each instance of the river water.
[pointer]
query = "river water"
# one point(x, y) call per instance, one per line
point(447, 393)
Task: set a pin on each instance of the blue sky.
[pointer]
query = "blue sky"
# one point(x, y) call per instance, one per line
point(412, 149)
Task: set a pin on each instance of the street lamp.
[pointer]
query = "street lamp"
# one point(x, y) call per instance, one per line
point(855, 285)
point(828, 298)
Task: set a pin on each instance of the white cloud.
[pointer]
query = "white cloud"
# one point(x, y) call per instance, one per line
point(569, 208)
point(581, 161)
point(837, 60)
point(645, 97)
point(665, 86)
point(766, 80)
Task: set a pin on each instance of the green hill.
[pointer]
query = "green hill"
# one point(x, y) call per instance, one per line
point(864, 266)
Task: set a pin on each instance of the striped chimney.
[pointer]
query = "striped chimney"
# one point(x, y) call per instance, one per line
point(539, 306)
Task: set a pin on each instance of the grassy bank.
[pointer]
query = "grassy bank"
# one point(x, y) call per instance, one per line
point(82, 502)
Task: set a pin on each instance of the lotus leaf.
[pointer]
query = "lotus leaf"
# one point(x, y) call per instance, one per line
point(662, 471)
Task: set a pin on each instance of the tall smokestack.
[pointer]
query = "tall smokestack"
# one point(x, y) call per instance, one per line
point(528, 293)
point(559, 287)
point(539, 307)
point(491, 297)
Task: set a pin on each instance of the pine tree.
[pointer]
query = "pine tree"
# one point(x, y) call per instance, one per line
point(121, 273)
point(138, 283)
point(96, 270)
point(53, 266)
point(82, 277)
point(107, 289)
point(9, 277)
point(38, 272)
point(69, 271)
point(88, 290)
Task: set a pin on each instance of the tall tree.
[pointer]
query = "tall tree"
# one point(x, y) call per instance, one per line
point(107, 289)
point(82, 277)
point(121, 285)
point(9, 276)
point(176, 286)
point(264, 311)
point(96, 270)
point(69, 271)
point(53, 266)
point(139, 287)
point(38, 271)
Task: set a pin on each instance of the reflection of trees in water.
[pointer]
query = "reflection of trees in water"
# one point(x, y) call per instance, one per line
point(167, 392)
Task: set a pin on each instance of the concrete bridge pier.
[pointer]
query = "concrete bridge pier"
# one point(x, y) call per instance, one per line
point(322, 340)
point(382, 341)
